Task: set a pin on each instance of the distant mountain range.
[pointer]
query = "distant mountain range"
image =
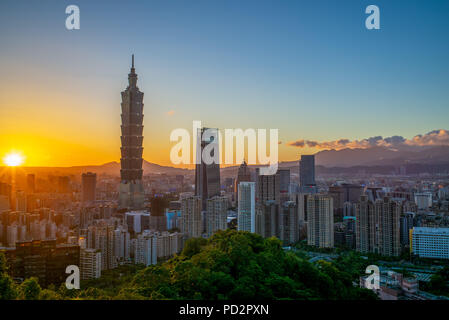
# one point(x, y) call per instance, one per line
point(383, 156)
point(374, 159)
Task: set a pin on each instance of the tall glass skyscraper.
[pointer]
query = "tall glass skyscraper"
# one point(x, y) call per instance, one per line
point(131, 194)
point(207, 176)
point(307, 171)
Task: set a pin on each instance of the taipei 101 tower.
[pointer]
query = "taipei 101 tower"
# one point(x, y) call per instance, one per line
point(131, 194)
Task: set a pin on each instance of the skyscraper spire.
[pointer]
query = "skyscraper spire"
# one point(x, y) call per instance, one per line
point(132, 76)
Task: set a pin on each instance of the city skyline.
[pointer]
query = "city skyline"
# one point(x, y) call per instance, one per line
point(335, 75)
point(224, 151)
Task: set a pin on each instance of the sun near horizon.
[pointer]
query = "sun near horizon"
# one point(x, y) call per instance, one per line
point(13, 159)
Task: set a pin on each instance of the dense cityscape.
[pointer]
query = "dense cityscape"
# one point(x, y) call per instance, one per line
point(105, 223)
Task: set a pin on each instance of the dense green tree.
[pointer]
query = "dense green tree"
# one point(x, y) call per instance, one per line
point(243, 265)
point(229, 265)
point(7, 287)
point(49, 294)
point(29, 289)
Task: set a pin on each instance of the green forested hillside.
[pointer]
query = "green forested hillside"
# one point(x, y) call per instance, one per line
point(229, 265)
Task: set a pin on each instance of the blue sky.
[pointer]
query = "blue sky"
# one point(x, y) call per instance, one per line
point(309, 68)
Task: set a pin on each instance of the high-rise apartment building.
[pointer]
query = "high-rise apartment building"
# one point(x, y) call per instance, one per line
point(366, 225)
point(288, 223)
point(191, 225)
point(90, 264)
point(388, 213)
point(122, 244)
point(145, 248)
point(246, 215)
point(378, 226)
point(267, 219)
point(131, 193)
point(207, 176)
point(320, 221)
point(216, 214)
point(101, 237)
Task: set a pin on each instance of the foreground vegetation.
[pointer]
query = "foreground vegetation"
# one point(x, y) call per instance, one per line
point(229, 265)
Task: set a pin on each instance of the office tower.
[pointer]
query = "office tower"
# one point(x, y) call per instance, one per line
point(288, 223)
point(89, 184)
point(207, 176)
point(90, 264)
point(267, 187)
point(320, 221)
point(31, 183)
point(131, 193)
point(430, 243)
point(191, 225)
point(307, 171)
point(243, 175)
point(216, 214)
point(388, 213)
point(423, 200)
point(366, 224)
point(267, 219)
point(246, 216)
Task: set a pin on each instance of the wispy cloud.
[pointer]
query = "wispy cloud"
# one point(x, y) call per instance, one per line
point(433, 138)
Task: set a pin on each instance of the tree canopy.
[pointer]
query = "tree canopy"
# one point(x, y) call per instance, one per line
point(231, 264)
